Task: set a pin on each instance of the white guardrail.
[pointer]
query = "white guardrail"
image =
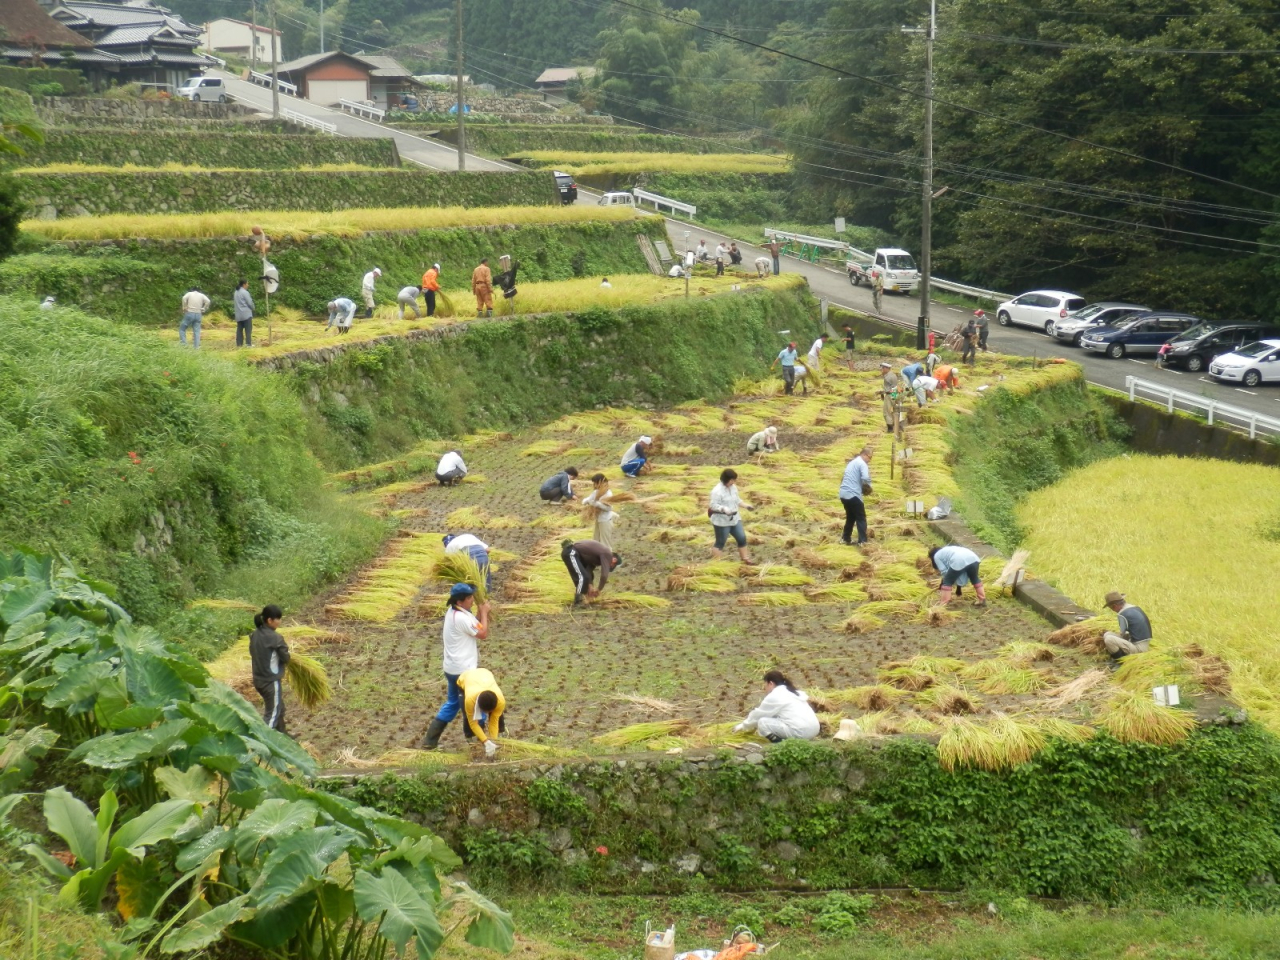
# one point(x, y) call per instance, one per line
point(1172, 399)
point(264, 80)
point(362, 110)
point(293, 116)
point(659, 202)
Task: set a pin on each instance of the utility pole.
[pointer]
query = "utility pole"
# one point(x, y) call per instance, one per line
point(462, 104)
point(253, 39)
point(926, 189)
point(322, 26)
point(275, 80)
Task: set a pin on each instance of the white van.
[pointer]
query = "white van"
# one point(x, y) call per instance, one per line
point(203, 88)
point(617, 198)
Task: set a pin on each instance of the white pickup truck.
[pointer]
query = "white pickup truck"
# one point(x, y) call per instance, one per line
point(896, 266)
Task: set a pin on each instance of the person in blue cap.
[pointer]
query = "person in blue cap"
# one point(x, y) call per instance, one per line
point(462, 630)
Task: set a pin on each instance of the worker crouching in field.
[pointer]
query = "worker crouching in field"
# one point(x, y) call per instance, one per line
point(765, 441)
point(1135, 628)
point(582, 559)
point(783, 714)
point(559, 487)
point(483, 705)
point(462, 629)
point(635, 460)
point(958, 565)
point(451, 469)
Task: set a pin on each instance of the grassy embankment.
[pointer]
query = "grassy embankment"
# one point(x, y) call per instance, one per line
point(582, 162)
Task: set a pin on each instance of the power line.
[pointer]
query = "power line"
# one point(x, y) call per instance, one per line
point(1104, 48)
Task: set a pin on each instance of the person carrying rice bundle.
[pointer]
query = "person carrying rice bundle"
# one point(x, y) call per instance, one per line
point(602, 512)
point(473, 547)
point(268, 656)
point(783, 714)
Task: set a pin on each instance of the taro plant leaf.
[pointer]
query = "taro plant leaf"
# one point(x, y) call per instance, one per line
point(215, 841)
point(19, 752)
point(151, 826)
point(270, 929)
point(337, 902)
point(25, 600)
point(192, 784)
point(115, 750)
point(152, 682)
point(30, 626)
point(208, 929)
point(274, 819)
point(404, 911)
point(89, 886)
point(216, 717)
point(132, 717)
point(298, 864)
point(69, 818)
point(106, 818)
point(492, 927)
point(139, 886)
point(78, 685)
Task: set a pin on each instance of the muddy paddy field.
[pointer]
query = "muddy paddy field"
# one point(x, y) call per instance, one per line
point(855, 627)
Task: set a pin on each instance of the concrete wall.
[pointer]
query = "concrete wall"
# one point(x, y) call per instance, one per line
point(1159, 432)
point(52, 109)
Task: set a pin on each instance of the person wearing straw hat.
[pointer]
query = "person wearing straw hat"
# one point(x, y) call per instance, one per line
point(888, 393)
point(366, 290)
point(473, 547)
point(636, 460)
point(483, 706)
point(957, 564)
point(764, 441)
point(430, 287)
point(462, 628)
point(1135, 628)
point(602, 512)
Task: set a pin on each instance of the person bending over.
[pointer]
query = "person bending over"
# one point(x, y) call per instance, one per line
point(958, 565)
point(636, 459)
point(473, 547)
point(582, 559)
point(483, 705)
point(451, 469)
point(783, 714)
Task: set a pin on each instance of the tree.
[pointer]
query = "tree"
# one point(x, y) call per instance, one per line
point(11, 212)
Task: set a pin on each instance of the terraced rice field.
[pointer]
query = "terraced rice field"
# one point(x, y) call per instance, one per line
point(677, 638)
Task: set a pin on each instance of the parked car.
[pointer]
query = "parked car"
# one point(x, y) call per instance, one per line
point(1038, 308)
point(896, 265)
point(1106, 313)
point(1143, 335)
point(1196, 348)
point(568, 189)
point(203, 88)
point(1251, 365)
point(617, 198)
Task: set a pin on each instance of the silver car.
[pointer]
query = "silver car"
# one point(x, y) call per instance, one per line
point(1102, 314)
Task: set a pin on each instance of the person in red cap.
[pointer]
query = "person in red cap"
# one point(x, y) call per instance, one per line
point(984, 327)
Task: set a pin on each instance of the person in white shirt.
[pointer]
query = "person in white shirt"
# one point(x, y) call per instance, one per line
point(765, 441)
point(602, 512)
point(462, 629)
point(676, 271)
point(925, 388)
point(814, 357)
point(636, 458)
point(451, 469)
point(341, 312)
point(763, 267)
point(49, 302)
point(473, 547)
point(605, 284)
point(194, 306)
point(725, 520)
point(722, 252)
point(408, 297)
point(783, 714)
point(366, 290)
point(702, 253)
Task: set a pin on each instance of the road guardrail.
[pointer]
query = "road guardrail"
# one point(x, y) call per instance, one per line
point(660, 201)
point(1172, 400)
point(264, 80)
point(363, 110)
point(293, 116)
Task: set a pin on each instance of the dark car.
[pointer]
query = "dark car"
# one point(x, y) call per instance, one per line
point(1142, 335)
point(1108, 313)
point(568, 189)
point(1195, 348)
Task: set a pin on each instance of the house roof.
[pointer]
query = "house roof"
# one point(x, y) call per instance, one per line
point(23, 19)
point(385, 67)
point(564, 74)
point(382, 67)
point(158, 33)
point(293, 66)
point(78, 55)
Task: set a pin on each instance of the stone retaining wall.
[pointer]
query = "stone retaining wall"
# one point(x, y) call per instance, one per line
point(53, 109)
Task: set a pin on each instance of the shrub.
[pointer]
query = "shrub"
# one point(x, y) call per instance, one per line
point(11, 210)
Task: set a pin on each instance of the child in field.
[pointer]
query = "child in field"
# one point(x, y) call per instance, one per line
point(602, 511)
point(268, 656)
point(483, 705)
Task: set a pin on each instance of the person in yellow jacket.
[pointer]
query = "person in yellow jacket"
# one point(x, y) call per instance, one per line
point(483, 705)
point(482, 287)
point(430, 287)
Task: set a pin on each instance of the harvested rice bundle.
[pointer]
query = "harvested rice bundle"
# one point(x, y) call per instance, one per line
point(879, 696)
point(1000, 744)
point(305, 632)
point(1085, 635)
point(670, 487)
point(1023, 653)
point(1074, 690)
point(723, 735)
point(881, 723)
point(1059, 729)
point(777, 575)
point(464, 518)
point(919, 726)
point(837, 593)
point(234, 668)
point(1140, 672)
point(681, 450)
point(461, 568)
point(308, 680)
point(387, 588)
point(1133, 717)
point(483, 438)
point(946, 699)
point(810, 558)
point(1005, 678)
point(935, 614)
point(406, 757)
point(638, 733)
point(546, 448)
point(896, 571)
point(898, 590)
point(888, 608)
point(531, 607)
point(907, 678)
point(692, 580)
point(861, 622)
point(626, 600)
point(774, 598)
point(216, 603)
point(679, 535)
point(929, 664)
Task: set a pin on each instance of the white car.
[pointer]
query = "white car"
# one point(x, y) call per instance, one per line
point(203, 88)
point(1252, 364)
point(1039, 308)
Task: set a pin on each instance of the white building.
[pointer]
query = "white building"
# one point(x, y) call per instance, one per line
point(225, 35)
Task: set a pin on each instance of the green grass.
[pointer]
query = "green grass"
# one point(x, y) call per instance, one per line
point(35, 925)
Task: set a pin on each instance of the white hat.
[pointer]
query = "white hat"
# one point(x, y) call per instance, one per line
point(436, 265)
point(771, 431)
point(49, 299)
point(644, 439)
point(377, 271)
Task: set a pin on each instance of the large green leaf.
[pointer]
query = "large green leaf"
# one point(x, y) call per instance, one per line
point(298, 863)
point(115, 750)
point(271, 929)
point(78, 685)
point(70, 819)
point(215, 716)
point(108, 804)
point(193, 784)
point(215, 841)
point(24, 600)
point(52, 864)
point(30, 626)
point(89, 886)
point(208, 929)
point(273, 820)
point(19, 753)
point(131, 718)
point(492, 927)
point(151, 826)
point(405, 913)
point(152, 682)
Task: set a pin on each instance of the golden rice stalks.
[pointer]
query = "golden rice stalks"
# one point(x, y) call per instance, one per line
point(1133, 717)
point(1022, 653)
point(461, 568)
point(878, 696)
point(1000, 744)
point(652, 703)
point(862, 622)
point(1059, 729)
point(464, 518)
point(677, 535)
point(622, 496)
point(681, 450)
point(308, 680)
point(777, 575)
point(519, 749)
point(1004, 678)
point(723, 735)
point(1140, 672)
point(888, 608)
point(531, 607)
point(406, 757)
point(907, 678)
point(837, 593)
point(1085, 635)
point(944, 698)
point(936, 614)
point(546, 448)
point(807, 557)
point(216, 603)
point(774, 598)
point(387, 588)
point(898, 590)
point(626, 600)
point(895, 571)
point(931, 665)
point(639, 733)
point(347, 757)
point(882, 723)
point(233, 667)
point(700, 583)
point(1074, 690)
point(919, 726)
point(504, 523)
point(484, 438)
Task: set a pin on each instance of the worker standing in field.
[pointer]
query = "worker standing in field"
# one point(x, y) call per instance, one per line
point(194, 306)
point(482, 287)
point(726, 521)
point(787, 357)
point(408, 297)
point(854, 486)
point(268, 658)
point(462, 629)
point(430, 287)
point(877, 289)
point(473, 547)
point(341, 312)
point(814, 358)
point(635, 460)
point(850, 346)
point(888, 394)
point(1135, 628)
point(242, 301)
point(602, 512)
point(783, 714)
point(560, 486)
point(775, 253)
point(582, 560)
point(957, 565)
point(984, 328)
point(366, 290)
point(969, 352)
point(483, 706)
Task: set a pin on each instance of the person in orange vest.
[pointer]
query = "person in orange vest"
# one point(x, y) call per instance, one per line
point(482, 287)
point(430, 284)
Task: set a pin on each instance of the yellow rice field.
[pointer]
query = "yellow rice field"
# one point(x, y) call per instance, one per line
point(1195, 543)
point(627, 163)
point(188, 168)
point(302, 224)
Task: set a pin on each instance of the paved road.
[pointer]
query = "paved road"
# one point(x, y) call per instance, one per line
point(427, 153)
